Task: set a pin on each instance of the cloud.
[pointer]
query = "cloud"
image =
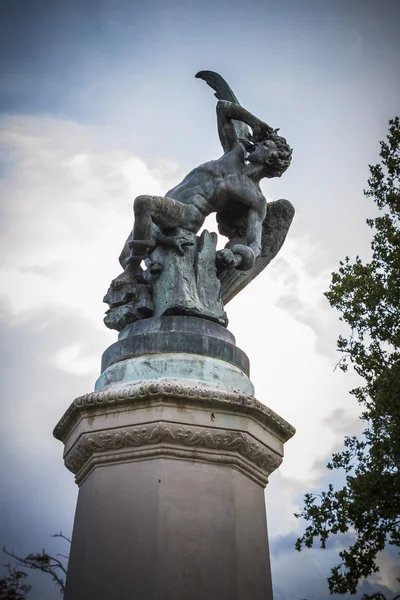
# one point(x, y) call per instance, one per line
point(310, 568)
point(389, 570)
point(303, 576)
point(302, 286)
point(67, 210)
point(342, 421)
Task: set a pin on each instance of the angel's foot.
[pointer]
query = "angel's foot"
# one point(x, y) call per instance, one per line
point(128, 277)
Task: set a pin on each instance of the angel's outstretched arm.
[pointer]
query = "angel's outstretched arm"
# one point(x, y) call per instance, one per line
point(226, 128)
point(231, 111)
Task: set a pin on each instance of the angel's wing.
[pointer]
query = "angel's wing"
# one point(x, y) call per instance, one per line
point(275, 227)
point(224, 92)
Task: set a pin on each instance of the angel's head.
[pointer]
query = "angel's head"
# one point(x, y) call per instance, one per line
point(272, 155)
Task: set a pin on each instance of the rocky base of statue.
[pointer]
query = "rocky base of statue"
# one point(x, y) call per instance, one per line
point(174, 283)
point(185, 276)
point(171, 454)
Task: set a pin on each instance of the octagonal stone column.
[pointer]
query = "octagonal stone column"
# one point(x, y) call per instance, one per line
point(171, 453)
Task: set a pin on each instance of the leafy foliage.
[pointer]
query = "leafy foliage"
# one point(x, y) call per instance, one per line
point(12, 586)
point(367, 295)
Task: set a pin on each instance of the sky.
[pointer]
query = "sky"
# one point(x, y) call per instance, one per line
point(98, 104)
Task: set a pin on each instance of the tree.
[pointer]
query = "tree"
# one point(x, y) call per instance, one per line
point(12, 586)
point(367, 295)
point(55, 566)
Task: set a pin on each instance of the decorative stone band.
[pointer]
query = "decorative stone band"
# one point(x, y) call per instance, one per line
point(182, 392)
point(173, 440)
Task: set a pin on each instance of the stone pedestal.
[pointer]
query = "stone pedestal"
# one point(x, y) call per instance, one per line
point(171, 453)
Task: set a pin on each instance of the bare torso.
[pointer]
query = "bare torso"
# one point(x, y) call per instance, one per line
point(214, 186)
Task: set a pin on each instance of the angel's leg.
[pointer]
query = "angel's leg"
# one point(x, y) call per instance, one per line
point(146, 209)
point(164, 212)
point(140, 242)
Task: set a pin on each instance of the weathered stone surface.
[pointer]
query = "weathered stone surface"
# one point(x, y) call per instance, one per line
point(176, 283)
point(172, 439)
point(176, 324)
point(187, 283)
point(171, 501)
point(170, 341)
point(169, 529)
point(128, 303)
point(178, 334)
point(183, 393)
point(177, 366)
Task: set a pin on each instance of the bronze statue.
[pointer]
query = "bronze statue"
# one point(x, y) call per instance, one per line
point(228, 186)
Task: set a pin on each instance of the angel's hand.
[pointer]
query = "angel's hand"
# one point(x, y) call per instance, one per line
point(226, 258)
point(261, 131)
point(180, 242)
point(244, 256)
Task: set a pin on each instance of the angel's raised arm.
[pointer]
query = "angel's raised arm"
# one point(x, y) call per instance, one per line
point(226, 128)
point(229, 137)
point(236, 112)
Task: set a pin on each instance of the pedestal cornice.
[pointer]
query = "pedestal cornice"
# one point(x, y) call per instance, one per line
point(167, 390)
point(173, 418)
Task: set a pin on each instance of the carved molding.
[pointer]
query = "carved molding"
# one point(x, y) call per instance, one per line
point(115, 443)
point(179, 391)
